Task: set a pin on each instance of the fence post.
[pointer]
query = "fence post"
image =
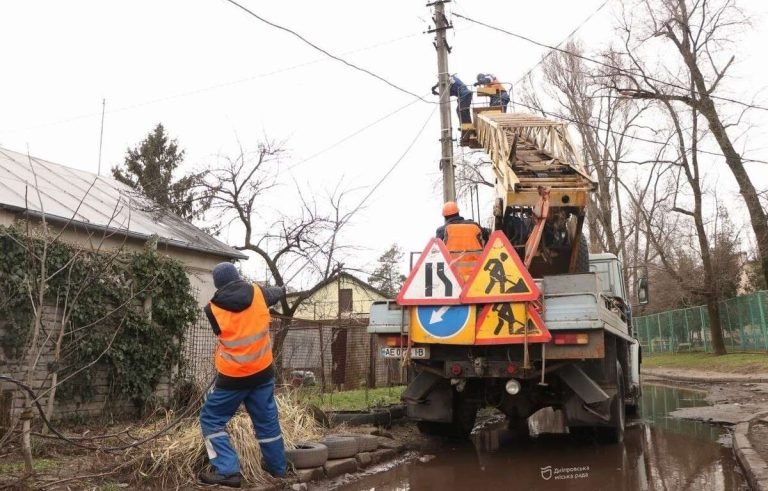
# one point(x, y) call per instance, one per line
point(730, 326)
point(658, 324)
point(741, 322)
point(687, 330)
point(761, 310)
point(703, 330)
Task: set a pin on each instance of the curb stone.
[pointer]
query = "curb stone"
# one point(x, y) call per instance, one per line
point(699, 379)
point(755, 468)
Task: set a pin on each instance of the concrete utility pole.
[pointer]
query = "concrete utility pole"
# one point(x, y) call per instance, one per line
point(446, 142)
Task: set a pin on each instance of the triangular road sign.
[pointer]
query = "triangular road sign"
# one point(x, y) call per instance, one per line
point(506, 323)
point(499, 275)
point(433, 281)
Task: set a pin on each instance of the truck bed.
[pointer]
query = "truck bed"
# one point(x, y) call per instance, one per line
point(577, 302)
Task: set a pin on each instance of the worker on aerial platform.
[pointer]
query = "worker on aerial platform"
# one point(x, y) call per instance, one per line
point(459, 90)
point(499, 95)
point(464, 239)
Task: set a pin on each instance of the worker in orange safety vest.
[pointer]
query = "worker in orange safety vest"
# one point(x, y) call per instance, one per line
point(239, 316)
point(464, 239)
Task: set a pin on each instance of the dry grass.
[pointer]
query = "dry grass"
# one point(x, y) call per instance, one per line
point(176, 459)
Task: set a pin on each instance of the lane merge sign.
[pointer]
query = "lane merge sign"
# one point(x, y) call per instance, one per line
point(433, 281)
point(499, 275)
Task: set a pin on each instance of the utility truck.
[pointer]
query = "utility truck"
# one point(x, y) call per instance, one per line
point(533, 320)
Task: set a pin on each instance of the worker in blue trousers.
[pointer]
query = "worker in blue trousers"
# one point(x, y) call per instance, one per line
point(239, 316)
point(460, 91)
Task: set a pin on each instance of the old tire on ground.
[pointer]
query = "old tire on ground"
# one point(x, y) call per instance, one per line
point(340, 447)
point(307, 455)
point(582, 256)
point(365, 443)
point(614, 431)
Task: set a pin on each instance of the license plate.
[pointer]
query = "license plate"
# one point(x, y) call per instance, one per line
point(420, 352)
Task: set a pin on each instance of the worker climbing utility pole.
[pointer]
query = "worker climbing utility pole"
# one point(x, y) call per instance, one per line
point(446, 142)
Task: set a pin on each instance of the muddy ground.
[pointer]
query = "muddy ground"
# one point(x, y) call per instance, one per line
point(62, 467)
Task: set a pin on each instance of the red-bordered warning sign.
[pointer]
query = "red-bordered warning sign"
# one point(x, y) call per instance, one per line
point(434, 280)
point(507, 323)
point(499, 275)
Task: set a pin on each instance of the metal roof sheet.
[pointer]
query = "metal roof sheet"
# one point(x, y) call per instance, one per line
point(99, 202)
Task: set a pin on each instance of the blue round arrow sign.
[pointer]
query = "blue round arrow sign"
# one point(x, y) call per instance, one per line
point(443, 321)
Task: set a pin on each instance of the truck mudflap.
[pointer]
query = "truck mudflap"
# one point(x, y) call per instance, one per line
point(580, 383)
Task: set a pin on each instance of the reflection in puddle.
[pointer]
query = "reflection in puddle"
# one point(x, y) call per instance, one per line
point(658, 452)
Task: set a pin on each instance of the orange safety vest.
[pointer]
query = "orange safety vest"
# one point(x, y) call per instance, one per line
point(463, 242)
point(244, 347)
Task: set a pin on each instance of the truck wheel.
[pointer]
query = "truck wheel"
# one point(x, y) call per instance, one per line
point(582, 256)
point(614, 432)
point(431, 428)
point(464, 416)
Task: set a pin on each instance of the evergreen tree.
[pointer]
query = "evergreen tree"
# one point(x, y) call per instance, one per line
point(387, 277)
point(149, 168)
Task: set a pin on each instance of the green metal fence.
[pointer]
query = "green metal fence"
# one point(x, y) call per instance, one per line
point(744, 321)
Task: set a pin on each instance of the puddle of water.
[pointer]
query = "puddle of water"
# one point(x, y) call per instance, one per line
point(658, 452)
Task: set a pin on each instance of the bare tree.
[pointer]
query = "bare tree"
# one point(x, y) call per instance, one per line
point(666, 234)
point(699, 33)
point(238, 188)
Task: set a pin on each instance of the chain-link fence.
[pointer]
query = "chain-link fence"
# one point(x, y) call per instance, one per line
point(744, 321)
point(330, 355)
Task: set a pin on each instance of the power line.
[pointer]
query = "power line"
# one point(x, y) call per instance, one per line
point(208, 88)
point(601, 63)
point(627, 135)
point(367, 196)
point(327, 53)
point(569, 36)
point(352, 135)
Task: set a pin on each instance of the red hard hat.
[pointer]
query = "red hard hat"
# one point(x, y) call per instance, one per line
point(450, 208)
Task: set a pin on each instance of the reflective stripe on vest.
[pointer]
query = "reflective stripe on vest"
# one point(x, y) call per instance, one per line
point(244, 346)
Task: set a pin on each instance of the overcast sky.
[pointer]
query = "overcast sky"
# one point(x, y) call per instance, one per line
point(214, 76)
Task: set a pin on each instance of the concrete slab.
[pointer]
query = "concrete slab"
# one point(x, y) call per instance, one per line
point(307, 475)
point(719, 413)
point(391, 444)
point(339, 467)
point(364, 459)
point(382, 455)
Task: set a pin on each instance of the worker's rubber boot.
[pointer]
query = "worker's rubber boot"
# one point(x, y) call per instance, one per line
point(213, 477)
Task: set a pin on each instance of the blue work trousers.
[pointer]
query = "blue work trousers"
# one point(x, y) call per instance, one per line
point(219, 408)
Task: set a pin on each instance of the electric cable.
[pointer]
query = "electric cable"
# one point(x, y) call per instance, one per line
point(208, 88)
point(184, 414)
point(627, 135)
point(327, 53)
point(569, 36)
point(352, 135)
point(601, 63)
point(365, 198)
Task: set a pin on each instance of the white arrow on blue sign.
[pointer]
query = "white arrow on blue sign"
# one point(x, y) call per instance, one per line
point(443, 321)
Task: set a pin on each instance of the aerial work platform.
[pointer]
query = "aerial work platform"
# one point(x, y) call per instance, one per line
point(528, 151)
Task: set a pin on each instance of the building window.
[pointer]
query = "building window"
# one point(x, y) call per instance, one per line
point(345, 300)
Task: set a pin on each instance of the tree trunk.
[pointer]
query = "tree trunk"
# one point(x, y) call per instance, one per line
point(26, 439)
point(715, 330)
point(747, 189)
